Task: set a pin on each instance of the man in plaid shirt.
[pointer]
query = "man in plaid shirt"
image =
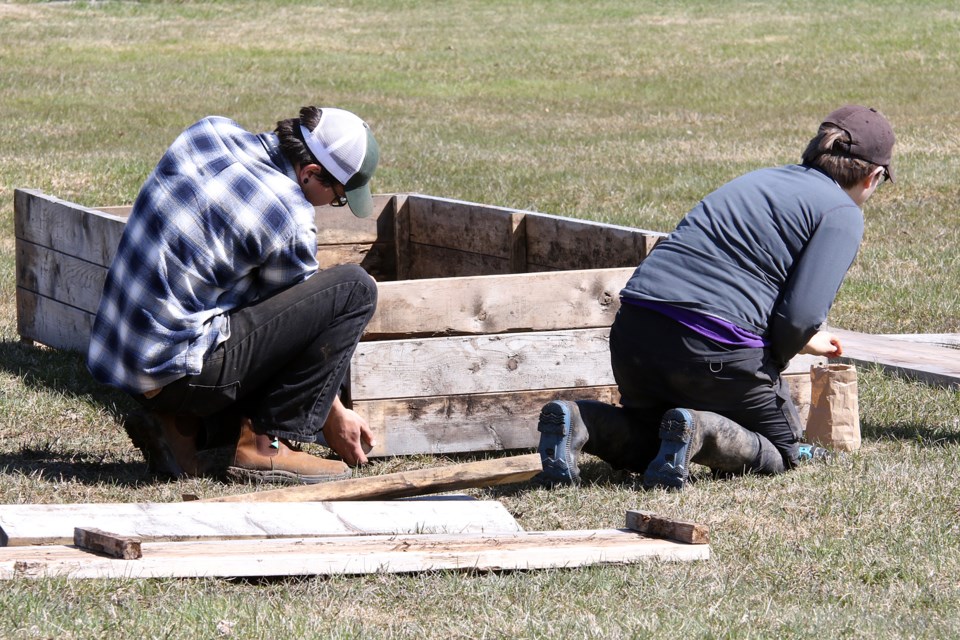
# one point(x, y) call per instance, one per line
point(214, 312)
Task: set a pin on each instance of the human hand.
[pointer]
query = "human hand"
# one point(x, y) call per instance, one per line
point(823, 343)
point(348, 434)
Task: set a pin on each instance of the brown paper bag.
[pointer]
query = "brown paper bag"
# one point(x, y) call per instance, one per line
point(834, 419)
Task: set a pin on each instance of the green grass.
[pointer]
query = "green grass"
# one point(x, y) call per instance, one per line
point(624, 112)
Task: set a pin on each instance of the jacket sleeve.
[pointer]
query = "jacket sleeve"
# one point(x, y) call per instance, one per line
point(814, 281)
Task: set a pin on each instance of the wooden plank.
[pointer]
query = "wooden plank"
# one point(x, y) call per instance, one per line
point(82, 232)
point(401, 236)
point(656, 526)
point(39, 524)
point(354, 555)
point(464, 226)
point(951, 340)
point(928, 363)
point(498, 304)
point(481, 364)
point(377, 259)
point(554, 242)
point(483, 473)
point(455, 424)
point(338, 225)
point(123, 547)
point(52, 323)
point(427, 261)
point(59, 276)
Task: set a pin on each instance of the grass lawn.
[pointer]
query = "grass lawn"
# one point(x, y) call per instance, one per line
point(624, 112)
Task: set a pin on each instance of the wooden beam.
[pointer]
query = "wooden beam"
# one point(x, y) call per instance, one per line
point(354, 555)
point(59, 276)
point(555, 242)
point(475, 422)
point(52, 323)
point(498, 304)
point(483, 473)
point(45, 524)
point(656, 526)
point(929, 363)
point(63, 226)
point(123, 547)
point(481, 364)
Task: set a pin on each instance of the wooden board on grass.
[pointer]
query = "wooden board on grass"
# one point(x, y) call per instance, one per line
point(42, 524)
point(467, 475)
point(930, 363)
point(353, 555)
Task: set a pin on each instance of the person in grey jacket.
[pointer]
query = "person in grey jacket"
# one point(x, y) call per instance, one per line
point(709, 320)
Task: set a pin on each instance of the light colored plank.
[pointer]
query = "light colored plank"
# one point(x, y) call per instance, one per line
point(657, 526)
point(498, 304)
point(481, 364)
point(35, 524)
point(951, 340)
point(69, 228)
point(52, 323)
point(482, 473)
point(59, 276)
point(455, 424)
point(928, 363)
point(354, 555)
point(554, 242)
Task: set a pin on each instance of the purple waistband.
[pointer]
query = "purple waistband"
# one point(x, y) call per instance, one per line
point(707, 326)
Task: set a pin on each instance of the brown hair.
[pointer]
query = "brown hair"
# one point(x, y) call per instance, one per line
point(826, 151)
point(293, 146)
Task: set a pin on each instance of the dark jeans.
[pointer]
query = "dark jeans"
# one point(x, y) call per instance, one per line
point(286, 357)
point(659, 364)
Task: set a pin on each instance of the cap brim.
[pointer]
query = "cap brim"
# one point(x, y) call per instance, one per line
point(360, 201)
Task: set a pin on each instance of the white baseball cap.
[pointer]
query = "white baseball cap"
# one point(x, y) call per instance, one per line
point(345, 146)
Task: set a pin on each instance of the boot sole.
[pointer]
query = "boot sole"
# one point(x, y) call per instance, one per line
point(671, 468)
point(554, 428)
point(276, 476)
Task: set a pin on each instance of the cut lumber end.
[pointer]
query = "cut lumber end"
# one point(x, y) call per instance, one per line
point(97, 541)
point(656, 526)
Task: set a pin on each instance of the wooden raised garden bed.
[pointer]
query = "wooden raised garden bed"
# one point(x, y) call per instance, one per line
point(484, 314)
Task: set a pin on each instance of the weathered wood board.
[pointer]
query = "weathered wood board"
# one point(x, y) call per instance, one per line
point(933, 364)
point(353, 555)
point(40, 524)
point(469, 422)
point(481, 473)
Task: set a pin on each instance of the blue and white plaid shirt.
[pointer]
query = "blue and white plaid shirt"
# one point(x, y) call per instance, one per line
point(219, 223)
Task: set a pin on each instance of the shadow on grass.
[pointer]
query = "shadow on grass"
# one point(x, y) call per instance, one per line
point(61, 372)
point(922, 435)
point(83, 468)
point(64, 374)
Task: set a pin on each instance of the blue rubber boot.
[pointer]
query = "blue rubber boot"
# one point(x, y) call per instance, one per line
point(671, 468)
point(562, 436)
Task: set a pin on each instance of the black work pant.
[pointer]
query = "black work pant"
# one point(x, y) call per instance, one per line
point(659, 364)
point(285, 360)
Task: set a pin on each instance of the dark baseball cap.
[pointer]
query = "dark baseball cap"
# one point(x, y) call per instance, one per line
point(871, 136)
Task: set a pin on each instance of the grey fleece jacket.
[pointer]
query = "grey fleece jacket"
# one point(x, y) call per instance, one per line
point(767, 251)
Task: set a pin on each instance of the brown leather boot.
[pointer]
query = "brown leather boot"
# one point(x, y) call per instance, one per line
point(168, 443)
point(263, 458)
